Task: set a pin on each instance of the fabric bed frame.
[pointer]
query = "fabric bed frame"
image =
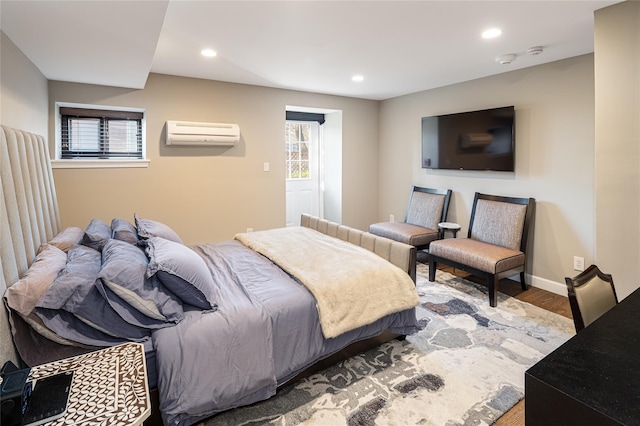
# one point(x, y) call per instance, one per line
point(402, 255)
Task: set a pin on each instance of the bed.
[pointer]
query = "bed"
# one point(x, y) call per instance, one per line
point(223, 324)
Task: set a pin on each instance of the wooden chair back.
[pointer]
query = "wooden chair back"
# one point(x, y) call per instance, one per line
point(591, 294)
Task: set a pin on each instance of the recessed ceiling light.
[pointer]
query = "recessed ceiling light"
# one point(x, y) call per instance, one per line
point(357, 78)
point(492, 33)
point(209, 53)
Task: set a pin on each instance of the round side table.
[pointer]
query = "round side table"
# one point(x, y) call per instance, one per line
point(448, 226)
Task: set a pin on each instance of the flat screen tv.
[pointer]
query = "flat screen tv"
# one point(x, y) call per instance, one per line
point(475, 140)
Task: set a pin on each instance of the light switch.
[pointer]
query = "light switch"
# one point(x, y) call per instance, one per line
point(266, 167)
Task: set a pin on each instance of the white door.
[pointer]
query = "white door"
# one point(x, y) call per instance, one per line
point(302, 171)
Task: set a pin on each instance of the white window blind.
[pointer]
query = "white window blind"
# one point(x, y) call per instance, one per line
point(100, 133)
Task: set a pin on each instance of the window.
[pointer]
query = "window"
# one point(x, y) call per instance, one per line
point(297, 150)
point(103, 134)
point(95, 133)
point(301, 130)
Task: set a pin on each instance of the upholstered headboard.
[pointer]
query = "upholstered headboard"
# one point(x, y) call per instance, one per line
point(29, 214)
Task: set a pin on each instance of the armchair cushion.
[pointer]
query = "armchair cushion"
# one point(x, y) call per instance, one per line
point(486, 257)
point(499, 223)
point(407, 233)
point(591, 294)
point(425, 209)
point(594, 297)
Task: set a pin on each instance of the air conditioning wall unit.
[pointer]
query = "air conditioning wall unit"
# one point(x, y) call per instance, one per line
point(193, 133)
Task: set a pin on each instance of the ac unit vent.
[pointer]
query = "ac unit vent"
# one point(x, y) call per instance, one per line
point(192, 133)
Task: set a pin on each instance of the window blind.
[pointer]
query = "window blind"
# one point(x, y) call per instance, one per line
point(304, 116)
point(100, 133)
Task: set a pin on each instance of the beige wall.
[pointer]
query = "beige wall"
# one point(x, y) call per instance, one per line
point(554, 157)
point(617, 143)
point(209, 194)
point(23, 90)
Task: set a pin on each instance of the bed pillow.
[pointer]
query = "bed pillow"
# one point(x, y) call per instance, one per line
point(23, 295)
point(96, 234)
point(182, 271)
point(67, 238)
point(124, 231)
point(148, 228)
point(73, 307)
point(139, 301)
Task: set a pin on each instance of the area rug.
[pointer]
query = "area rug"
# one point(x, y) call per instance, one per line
point(465, 367)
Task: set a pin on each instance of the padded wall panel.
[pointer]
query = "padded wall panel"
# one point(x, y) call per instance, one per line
point(29, 214)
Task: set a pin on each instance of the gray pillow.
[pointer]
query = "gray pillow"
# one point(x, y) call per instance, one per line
point(96, 234)
point(139, 301)
point(182, 271)
point(148, 228)
point(73, 307)
point(124, 231)
point(23, 296)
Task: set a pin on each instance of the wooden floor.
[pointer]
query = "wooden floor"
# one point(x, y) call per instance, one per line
point(541, 298)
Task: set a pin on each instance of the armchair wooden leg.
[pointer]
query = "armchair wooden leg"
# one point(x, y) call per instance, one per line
point(432, 269)
point(522, 281)
point(493, 290)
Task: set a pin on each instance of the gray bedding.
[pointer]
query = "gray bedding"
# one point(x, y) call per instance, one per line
point(264, 331)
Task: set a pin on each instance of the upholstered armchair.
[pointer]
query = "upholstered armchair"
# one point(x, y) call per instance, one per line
point(426, 208)
point(496, 244)
point(591, 294)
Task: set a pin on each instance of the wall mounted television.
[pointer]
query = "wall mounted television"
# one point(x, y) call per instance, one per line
point(474, 140)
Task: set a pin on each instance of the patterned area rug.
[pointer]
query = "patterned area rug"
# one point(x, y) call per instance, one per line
point(466, 367)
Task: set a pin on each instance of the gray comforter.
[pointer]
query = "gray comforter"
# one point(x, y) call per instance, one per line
point(264, 331)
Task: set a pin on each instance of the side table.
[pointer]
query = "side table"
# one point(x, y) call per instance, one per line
point(448, 226)
point(109, 386)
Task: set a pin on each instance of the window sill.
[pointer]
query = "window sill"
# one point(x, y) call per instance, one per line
point(98, 164)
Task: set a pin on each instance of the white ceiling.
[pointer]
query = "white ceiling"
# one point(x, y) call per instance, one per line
point(399, 47)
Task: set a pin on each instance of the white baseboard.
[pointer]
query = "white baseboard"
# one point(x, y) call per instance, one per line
point(549, 285)
point(544, 284)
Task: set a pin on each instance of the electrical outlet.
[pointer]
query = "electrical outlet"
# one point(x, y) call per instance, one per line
point(578, 263)
point(392, 218)
point(249, 229)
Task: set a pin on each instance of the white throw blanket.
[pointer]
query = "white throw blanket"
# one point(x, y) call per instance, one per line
point(352, 286)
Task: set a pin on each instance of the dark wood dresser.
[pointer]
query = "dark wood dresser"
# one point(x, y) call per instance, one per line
point(592, 379)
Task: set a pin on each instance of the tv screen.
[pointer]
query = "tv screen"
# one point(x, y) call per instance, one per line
point(475, 140)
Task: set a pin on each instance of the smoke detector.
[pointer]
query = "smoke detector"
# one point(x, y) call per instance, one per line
point(535, 50)
point(506, 59)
